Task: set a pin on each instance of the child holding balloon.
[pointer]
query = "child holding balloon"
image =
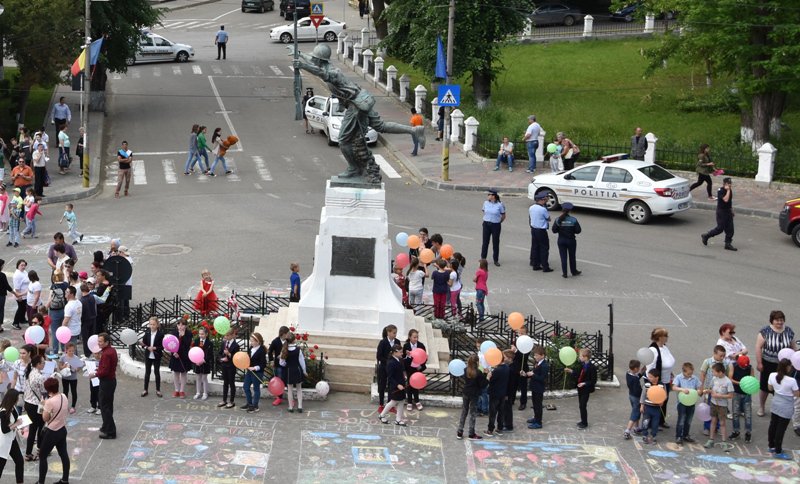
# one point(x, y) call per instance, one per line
point(441, 288)
point(396, 383)
point(383, 354)
point(227, 352)
point(586, 381)
point(742, 401)
point(498, 388)
point(653, 395)
point(295, 364)
point(474, 383)
point(541, 369)
point(202, 362)
point(684, 384)
point(409, 356)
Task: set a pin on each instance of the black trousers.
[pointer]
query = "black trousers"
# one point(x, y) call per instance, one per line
point(702, 178)
point(106, 401)
point(20, 316)
point(566, 249)
point(54, 439)
point(87, 330)
point(155, 366)
point(583, 401)
point(777, 429)
point(383, 382)
point(34, 429)
point(19, 465)
point(71, 386)
point(38, 180)
point(508, 414)
point(496, 411)
point(94, 395)
point(537, 399)
point(491, 230)
point(221, 49)
point(569, 163)
point(724, 224)
point(523, 390)
point(228, 382)
point(540, 248)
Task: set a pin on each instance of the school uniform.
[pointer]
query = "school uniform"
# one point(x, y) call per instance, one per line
point(208, 351)
point(383, 354)
point(152, 359)
point(498, 392)
point(412, 393)
point(395, 376)
point(227, 368)
point(274, 354)
point(537, 386)
point(473, 387)
point(523, 379)
point(179, 361)
point(295, 366)
point(514, 378)
point(258, 360)
point(588, 375)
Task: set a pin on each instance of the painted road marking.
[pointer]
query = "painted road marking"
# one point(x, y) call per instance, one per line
point(236, 70)
point(673, 279)
point(176, 70)
point(765, 298)
point(169, 172)
point(258, 186)
point(225, 114)
point(277, 197)
point(216, 69)
point(673, 312)
point(233, 177)
point(386, 167)
point(276, 70)
point(139, 175)
point(594, 263)
point(136, 74)
point(299, 204)
point(257, 70)
point(457, 236)
point(518, 247)
point(196, 69)
point(157, 71)
point(261, 168)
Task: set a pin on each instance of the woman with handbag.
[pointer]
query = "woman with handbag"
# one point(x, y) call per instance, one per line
point(33, 390)
point(54, 434)
point(9, 447)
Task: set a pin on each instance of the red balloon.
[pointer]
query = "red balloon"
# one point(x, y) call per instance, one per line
point(418, 356)
point(418, 380)
point(276, 386)
point(401, 260)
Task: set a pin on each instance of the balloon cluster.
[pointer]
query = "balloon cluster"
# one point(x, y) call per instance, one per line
point(426, 256)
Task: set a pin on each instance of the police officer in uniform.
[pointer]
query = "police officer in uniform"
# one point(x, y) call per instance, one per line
point(539, 219)
point(494, 213)
point(567, 226)
point(724, 216)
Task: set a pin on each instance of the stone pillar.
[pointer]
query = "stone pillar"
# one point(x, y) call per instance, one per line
point(405, 82)
point(649, 23)
point(435, 112)
point(348, 43)
point(456, 121)
point(378, 68)
point(340, 44)
point(391, 77)
point(367, 59)
point(588, 25)
point(650, 154)
point(766, 163)
point(357, 54)
point(420, 94)
point(542, 145)
point(470, 133)
point(528, 30)
point(365, 38)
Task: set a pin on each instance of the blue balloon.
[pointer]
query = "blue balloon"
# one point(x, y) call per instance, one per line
point(402, 239)
point(486, 345)
point(457, 367)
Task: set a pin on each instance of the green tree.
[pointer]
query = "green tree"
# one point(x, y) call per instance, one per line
point(755, 42)
point(481, 29)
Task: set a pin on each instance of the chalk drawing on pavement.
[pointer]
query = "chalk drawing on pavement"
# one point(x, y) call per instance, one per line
point(698, 467)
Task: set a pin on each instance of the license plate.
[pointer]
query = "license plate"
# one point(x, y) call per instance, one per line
point(681, 206)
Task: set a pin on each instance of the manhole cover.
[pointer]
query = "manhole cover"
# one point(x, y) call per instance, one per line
point(307, 221)
point(166, 249)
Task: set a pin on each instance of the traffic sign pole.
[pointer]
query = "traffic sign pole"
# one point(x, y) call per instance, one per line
point(451, 24)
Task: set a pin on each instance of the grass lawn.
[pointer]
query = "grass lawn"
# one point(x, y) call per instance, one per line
point(595, 92)
point(36, 112)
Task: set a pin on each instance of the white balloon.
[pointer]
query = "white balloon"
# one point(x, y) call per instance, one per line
point(323, 388)
point(645, 356)
point(524, 344)
point(128, 336)
point(36, 334)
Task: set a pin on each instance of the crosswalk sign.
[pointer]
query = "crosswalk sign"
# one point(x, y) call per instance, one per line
point(449, 95)
point(316, 9)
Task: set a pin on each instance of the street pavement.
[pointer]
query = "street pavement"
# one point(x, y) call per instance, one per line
point(246, 228)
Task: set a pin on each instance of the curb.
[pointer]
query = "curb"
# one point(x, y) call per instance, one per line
point(157, 4)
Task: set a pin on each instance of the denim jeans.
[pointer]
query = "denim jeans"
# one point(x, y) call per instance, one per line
point(217, 160)
point(468, 406)
point(652, 415)
point(56, 318)
point(532, 147)
point(480, 296)
point(30, 227)
point(636, 412)
point(253, 378)
point(483, 401)
point(191, 160)
point(685, 415)
point(743, 406)
point(507, 158)
point(204, 154)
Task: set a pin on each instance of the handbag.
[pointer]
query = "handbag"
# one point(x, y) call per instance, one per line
point(45, 428)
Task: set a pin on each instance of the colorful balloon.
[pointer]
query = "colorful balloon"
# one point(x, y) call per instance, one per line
point(516, 320)
point(446, 251)
point(524, 344)
point(92, 343)
point(11, 354)
point(703, 412)
point(401, 239)
point(552, 148)
point(688, 399)
point(657, 395)
point(222, 325)
point(419, 356)
point(276, 386)
point(418, 380)
point(486, 346)
point(750, 385)
point(35, 334)
point(129, 336)
point(493, 356)
point(645, 356)
point(426, 256)
point(241, 360)
point(795, 360)
point(785, 353)
point(401, 261)
point(63, 335)
point(567, 355)
point(323, 388)
point(171, 343)
point(413, 241)
point(197, 356)
point(457, 367)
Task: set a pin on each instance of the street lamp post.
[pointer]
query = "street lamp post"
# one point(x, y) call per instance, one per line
point(446, 134)
point(298, 87)
point(86, 90)
point(2, 51)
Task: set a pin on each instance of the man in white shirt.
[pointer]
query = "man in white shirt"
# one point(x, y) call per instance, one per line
point(506, 153)
point(531, 140)
point(73, 311)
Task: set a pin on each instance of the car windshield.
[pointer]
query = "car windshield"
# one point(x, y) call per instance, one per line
point(656, 173)
point(336, 108)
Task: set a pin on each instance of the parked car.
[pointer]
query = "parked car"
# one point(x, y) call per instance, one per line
point(288, 7)
point(325, 114)
point(628, 13)
point(637, 188)
point(556, 13)
point(153, 47)
point(329, 30)
point(259, 5)
point(789, 220)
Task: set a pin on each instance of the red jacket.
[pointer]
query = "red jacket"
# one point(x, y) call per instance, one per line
point(107, 369)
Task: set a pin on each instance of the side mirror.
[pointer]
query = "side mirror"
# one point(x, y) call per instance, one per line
point(326, 113)
point(569, 177)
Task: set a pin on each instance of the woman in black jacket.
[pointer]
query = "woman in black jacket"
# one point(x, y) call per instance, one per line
point(396, 385)
point(5, 288)
point(411, 344)
point(255, 373)
point(475, 382)
point(153, 344)
point(179, 361)
point(227, 349)
point(9, 447)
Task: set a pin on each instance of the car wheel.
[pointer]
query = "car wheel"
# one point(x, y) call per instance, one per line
point(130, 61)
point(669, 16)
point(629, 18)
point(330, 36)
point(638, 212)
point(286, 37)
point(243, 9)
point(796, 235)
point(330, 141)
point(569, 20)
point(262, 9)
point(552, 199)
point(183, 56)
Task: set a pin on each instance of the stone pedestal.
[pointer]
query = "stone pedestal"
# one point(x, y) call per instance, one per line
point(350, 290)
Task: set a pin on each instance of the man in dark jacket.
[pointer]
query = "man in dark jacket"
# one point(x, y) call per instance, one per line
point(498, 393)
point(88, 317)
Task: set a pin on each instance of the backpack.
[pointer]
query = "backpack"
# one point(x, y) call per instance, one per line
point(58, 297)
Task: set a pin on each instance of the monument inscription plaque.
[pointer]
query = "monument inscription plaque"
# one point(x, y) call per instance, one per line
point(353, 256)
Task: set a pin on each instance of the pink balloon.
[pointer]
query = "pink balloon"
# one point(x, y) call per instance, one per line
point(171, 343)
point(197, 356)
point(418, 381)
point(703, 412)
point(93, 345)
point(419, 356)
point(785, 353)
point(401, 260)
point(28, 339)
point(796, 360)
point(276, 386)
point(63, 335)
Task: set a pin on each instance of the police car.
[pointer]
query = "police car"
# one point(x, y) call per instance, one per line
point(637, 188)
point(325, 114)
point(153, 47)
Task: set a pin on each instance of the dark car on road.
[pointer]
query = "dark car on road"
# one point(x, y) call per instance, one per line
point(628, 13)
point(288, 7)
point(789, 220)
point(258, 5)
point(556, 13)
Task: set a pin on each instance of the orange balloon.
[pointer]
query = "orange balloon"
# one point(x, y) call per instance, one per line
point(446, 251)
point(413, 241)
point(426, 256)
point(241, 360)
point(656, 395)
point(493, 356)
point(516, 320)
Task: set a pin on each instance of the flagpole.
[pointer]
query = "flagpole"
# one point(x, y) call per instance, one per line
point(86, 90)
point(446, 133)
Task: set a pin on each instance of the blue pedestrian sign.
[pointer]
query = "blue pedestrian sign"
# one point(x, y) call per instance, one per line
point(316, 9)
point(450, 95)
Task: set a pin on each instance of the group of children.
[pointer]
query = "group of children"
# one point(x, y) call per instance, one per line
point(395, 368)
point(14, 210)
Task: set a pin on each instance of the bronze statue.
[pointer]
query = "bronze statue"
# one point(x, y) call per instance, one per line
point(358, 117)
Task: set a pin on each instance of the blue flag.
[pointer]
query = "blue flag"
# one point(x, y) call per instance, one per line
point(94, 51)
point(441, 62)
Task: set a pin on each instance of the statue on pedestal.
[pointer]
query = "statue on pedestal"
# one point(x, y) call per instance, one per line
point(358, 117)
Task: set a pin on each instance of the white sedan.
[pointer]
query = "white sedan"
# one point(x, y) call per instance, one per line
point(329, 31)
point(153, 47)
point(637, 188)
point(325, 114)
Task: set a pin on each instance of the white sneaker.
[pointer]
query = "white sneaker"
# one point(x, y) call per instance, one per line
point(197, 396)
point(90, 410)
point(204, 397)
